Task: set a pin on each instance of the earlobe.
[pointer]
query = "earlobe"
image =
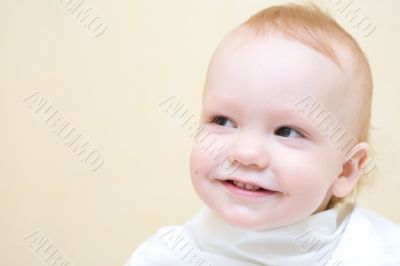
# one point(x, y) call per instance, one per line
point(352, 169)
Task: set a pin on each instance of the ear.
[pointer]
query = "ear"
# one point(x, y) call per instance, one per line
point(352, 168)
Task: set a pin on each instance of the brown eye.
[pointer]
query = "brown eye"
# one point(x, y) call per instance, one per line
point(286, 132)
point(221, 120)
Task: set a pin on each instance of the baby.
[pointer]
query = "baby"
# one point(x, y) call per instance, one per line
point(288, 95)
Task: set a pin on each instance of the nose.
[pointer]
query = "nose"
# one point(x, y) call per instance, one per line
point(249, 150)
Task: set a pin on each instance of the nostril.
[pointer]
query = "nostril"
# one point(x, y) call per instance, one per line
point(252, 157)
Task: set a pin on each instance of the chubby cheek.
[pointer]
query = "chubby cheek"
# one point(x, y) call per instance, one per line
point(309, 191)
point(307, 183)
point(202, 172)
point(198, 162)
point(200, 166)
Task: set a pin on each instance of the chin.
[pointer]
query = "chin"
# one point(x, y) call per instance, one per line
point(241, 219)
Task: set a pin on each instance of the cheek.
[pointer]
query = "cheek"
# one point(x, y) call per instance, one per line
point(200, 164)
point(308, 177)
point(209, 157)
point(201, 172)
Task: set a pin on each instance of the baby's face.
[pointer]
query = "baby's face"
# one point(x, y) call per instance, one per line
point(250, 108)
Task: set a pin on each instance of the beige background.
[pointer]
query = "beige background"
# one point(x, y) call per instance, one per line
point(110, 88)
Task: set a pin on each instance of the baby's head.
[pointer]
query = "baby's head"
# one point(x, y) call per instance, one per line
point(282, 93)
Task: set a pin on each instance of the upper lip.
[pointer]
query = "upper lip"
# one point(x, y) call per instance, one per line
point(243, 180)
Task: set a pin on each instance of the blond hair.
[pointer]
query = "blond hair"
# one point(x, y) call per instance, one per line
point(316, 29)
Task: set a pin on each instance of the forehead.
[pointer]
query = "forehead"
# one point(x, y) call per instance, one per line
point(271, 71)
point(270, 75)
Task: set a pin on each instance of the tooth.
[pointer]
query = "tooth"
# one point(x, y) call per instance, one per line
point(239, 184)
point(248, 186)
point(254, 188)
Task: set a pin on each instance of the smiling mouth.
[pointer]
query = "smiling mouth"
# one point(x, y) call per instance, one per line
point(245, 186)
point(246, 190)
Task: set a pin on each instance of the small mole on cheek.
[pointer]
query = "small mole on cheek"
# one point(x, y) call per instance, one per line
point(196, 172)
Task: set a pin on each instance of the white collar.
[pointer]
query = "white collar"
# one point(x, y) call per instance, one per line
point(369, 240)
point(309, 242)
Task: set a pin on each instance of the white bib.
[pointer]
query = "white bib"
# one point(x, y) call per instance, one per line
point(343, 236)
point(309, 242)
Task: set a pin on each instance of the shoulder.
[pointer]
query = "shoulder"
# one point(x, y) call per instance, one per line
point(386, 228)
point(369, 239)
point(154, 250)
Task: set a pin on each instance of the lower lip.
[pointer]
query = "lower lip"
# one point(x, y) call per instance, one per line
point(247, 193)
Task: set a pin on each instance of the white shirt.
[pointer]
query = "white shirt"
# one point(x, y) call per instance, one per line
point(345, 236)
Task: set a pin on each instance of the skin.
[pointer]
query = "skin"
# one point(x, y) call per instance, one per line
point(252, 87)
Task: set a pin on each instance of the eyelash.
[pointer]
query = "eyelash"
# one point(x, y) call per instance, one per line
point(212, 120)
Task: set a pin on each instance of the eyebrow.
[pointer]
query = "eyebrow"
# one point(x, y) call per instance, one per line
point(226, 103)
